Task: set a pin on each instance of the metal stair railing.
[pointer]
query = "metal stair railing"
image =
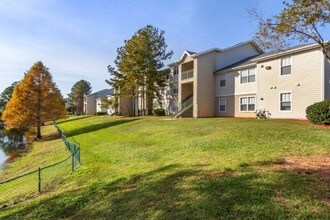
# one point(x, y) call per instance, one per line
point(185, 105)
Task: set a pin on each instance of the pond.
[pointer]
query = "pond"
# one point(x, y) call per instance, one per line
point(11, 144)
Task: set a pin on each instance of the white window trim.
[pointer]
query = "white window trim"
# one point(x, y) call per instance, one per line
point(281, 92)
point(248, 96)
point(255, 76)
point(225, 104)
point(225, 81)
point(280, 69)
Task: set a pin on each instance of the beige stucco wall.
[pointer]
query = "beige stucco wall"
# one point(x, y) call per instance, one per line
point(205, 86)
point(125, 106)
point(90, 105)
point(304, 83)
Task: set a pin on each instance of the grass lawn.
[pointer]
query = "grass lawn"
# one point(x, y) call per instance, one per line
point(154, 168)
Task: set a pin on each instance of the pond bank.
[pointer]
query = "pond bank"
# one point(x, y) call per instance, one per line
point(12, 144)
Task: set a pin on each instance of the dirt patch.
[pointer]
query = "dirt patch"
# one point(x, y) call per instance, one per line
point(310, 123)
point(316, 165)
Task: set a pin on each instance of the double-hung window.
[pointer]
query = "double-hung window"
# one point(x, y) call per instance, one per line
point(222, 104)
point(248, 104)
point(248, 76)
point(285, 101)
point(222, 80)
point(286, 66)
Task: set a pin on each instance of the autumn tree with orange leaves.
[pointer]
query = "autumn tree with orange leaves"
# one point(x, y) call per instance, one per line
point(35, 100)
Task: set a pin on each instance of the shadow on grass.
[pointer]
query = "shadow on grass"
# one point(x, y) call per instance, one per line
point(73, 118)
point(99, 126)
point(174, 192)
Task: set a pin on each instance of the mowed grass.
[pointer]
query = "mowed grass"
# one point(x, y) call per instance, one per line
point(155, 168)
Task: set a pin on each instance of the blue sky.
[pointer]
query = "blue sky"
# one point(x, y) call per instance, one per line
point(77, 39)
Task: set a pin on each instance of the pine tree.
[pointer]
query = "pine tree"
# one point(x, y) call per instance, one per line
point(76, 97)
point(35, 100)
point(139, 67)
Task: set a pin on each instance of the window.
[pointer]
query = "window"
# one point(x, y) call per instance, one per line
point(248, 104)
point(286, 66)
point(248, 76)
point(244, 76)
point(175, 70)
point(222, 104)
point(222, 80)
point(285, 101)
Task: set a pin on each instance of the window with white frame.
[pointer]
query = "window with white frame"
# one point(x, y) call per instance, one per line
point(247, 104)
point(222, 104)
point(222, 80)
point(285, 101)
point(248, 76)
point(286, 66)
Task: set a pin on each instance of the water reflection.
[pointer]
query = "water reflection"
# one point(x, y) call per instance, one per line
point(11, 144)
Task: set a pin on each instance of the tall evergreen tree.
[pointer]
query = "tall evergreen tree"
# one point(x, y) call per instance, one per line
point(36, 99)
point(139, 67)
point(76, 97)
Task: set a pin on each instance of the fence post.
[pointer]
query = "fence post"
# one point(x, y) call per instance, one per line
point(39, 180)
point(72, 167)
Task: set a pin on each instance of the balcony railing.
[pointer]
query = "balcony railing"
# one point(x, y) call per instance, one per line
point(187, 74)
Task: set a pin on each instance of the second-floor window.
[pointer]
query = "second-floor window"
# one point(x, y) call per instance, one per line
point(222, 80)
point(175, 70)
point(286, 66)
point(248, 76)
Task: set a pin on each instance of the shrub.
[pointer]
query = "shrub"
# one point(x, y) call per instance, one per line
point(158, 112)
point(319, 113)
point(100, 113)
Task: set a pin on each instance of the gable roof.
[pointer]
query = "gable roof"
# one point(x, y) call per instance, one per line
point(242, 63)
point(101, 94)
point(215, 49)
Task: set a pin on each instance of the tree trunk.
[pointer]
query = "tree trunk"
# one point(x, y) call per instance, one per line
point(38, 132)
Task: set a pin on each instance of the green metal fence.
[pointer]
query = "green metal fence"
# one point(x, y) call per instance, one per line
point(42, 179)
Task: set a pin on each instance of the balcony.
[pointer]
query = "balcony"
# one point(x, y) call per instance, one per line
point(187, 74)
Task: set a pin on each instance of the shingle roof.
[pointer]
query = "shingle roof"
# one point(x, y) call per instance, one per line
point(102, 94)
point(190, 52)
point(278, 51)
point(243, 62)
point(251, 60)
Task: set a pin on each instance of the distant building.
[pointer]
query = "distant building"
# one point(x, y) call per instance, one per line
point(93, 102)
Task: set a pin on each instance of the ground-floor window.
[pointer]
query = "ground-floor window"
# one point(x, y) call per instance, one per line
point(285, 101)
point(222, 104)
point(248, 104)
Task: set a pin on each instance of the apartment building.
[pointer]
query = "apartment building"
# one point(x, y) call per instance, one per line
point(93, 102)
point(240, 80)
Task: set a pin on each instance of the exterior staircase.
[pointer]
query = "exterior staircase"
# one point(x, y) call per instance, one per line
point(185, 108)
